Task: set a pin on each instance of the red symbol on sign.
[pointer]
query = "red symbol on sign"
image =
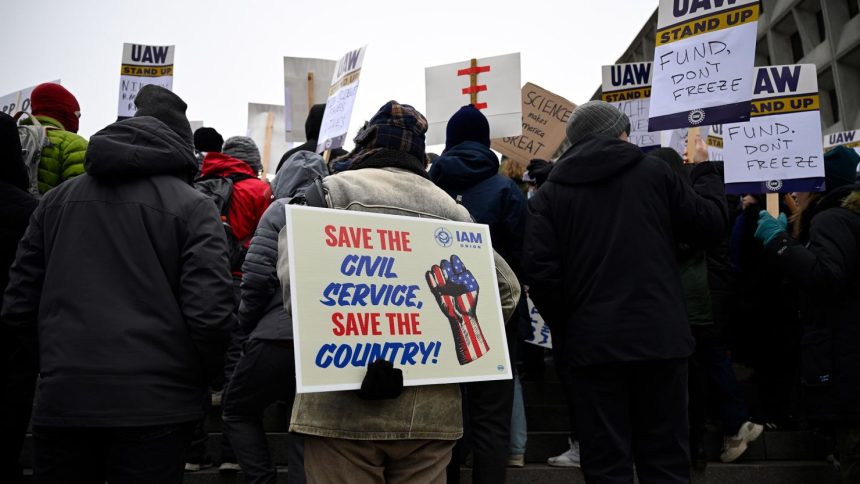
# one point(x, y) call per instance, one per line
point(474, 88)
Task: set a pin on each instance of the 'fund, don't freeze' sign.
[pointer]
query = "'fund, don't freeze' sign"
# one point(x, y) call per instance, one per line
point(703, 62)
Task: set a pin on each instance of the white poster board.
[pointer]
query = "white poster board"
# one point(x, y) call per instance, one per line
point(848, 139)
point(265, 125)
point(494, 80)
point(703, 63)
point(779, 149)
point(341, 99)
point(677, 138)
point(301, 75)
point(541, 335)
point(143, 65)
point(18, 101)
point(628, 88)
point(418, 292)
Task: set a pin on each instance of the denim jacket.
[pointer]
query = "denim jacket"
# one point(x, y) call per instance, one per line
point(420, 412)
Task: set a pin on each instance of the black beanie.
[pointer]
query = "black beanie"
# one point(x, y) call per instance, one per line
point(166, 107)
point(467, 124)
point(208, 140)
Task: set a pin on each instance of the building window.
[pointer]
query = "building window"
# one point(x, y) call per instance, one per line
point(796, 46)
point(834, 104)
point(819, 21)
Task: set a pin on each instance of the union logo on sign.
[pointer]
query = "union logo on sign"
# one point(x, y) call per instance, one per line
point(443, 237)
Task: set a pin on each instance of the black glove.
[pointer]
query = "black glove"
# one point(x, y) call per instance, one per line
point(539, 170)
point(381, 382)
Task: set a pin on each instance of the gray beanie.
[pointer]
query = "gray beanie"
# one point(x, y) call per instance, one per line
point(596, 117)
point(167, 107)
point(243, 148)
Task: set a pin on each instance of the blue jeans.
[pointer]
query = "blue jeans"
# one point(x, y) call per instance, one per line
point(519, 429)
point(712, 379)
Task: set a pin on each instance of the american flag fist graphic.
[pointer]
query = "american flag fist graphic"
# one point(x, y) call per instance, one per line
point(456, 292)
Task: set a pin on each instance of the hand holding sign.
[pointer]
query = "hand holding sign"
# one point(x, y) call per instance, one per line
point(456, 292)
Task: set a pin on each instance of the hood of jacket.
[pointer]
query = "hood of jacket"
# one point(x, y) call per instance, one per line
point(219, 164)
point(139, 147)
point(852, 201)
point(463, 166)
point(593, 159)
point(297, 174)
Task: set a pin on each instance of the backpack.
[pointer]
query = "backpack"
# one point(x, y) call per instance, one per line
point(34, 138)
point(220, 190)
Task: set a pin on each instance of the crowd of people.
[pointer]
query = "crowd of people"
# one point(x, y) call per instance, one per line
point(147, 278)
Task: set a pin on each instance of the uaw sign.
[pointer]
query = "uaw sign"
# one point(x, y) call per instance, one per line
point(703, 63)
point(143, 65)
point(779, 150)
point(628, 88)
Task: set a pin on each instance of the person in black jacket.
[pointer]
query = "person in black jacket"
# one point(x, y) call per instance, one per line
point(824, 264)
point(16, 397)
point(599, 256)
point(313, 123)
point(266, 371)
point(123, 275)
point(469, 171)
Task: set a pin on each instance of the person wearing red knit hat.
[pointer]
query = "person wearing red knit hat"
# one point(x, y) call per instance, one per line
point(58, 111)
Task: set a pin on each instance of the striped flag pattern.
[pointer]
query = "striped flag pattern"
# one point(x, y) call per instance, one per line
point(456, 292)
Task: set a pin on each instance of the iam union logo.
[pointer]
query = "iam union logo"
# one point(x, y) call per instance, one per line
point(443, 237)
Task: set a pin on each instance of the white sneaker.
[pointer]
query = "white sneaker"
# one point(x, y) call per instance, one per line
point(570, 458)
point(516, 460)
point(736, 445)
point(229, 467)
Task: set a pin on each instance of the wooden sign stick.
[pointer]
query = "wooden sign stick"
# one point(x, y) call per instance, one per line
point(473, 82)
point(692, 133)
point(267, 146)
point(773, 204)
point(310, 90)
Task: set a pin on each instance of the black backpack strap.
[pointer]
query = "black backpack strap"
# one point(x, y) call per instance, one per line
point(315, 194)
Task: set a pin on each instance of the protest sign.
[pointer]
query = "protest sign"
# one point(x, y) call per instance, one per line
point(264, 120)
point(306, 82)
point(143, 65)
point(491, 84)
point(779, 150)
point(18, 101)
point(848, 139)
point(420, 293)
point(703, 62)
point(544, 117)
point(628, 88)
point(541, 335)
point(714, 140)
point(677, 138)
point(340, 100)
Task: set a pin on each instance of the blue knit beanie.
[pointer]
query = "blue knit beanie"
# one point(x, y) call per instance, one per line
point(467, 124)
point(840, 167)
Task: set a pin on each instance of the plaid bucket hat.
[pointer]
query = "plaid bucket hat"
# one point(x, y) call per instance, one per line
point(395, 126)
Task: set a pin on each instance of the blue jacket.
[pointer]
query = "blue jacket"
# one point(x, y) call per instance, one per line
point(469, 172)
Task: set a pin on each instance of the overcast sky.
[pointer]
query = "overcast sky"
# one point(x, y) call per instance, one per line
point(231, 53)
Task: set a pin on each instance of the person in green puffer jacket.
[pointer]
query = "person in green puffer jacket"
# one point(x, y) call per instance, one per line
point(58, 111)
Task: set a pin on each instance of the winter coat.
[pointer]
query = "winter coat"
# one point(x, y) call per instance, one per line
point(469, 173)
point(420, 412)
point(599, 250)
point(261, 311)
point(63, 159)
point(250, 198)
point(123, 275)
point(825, 267)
